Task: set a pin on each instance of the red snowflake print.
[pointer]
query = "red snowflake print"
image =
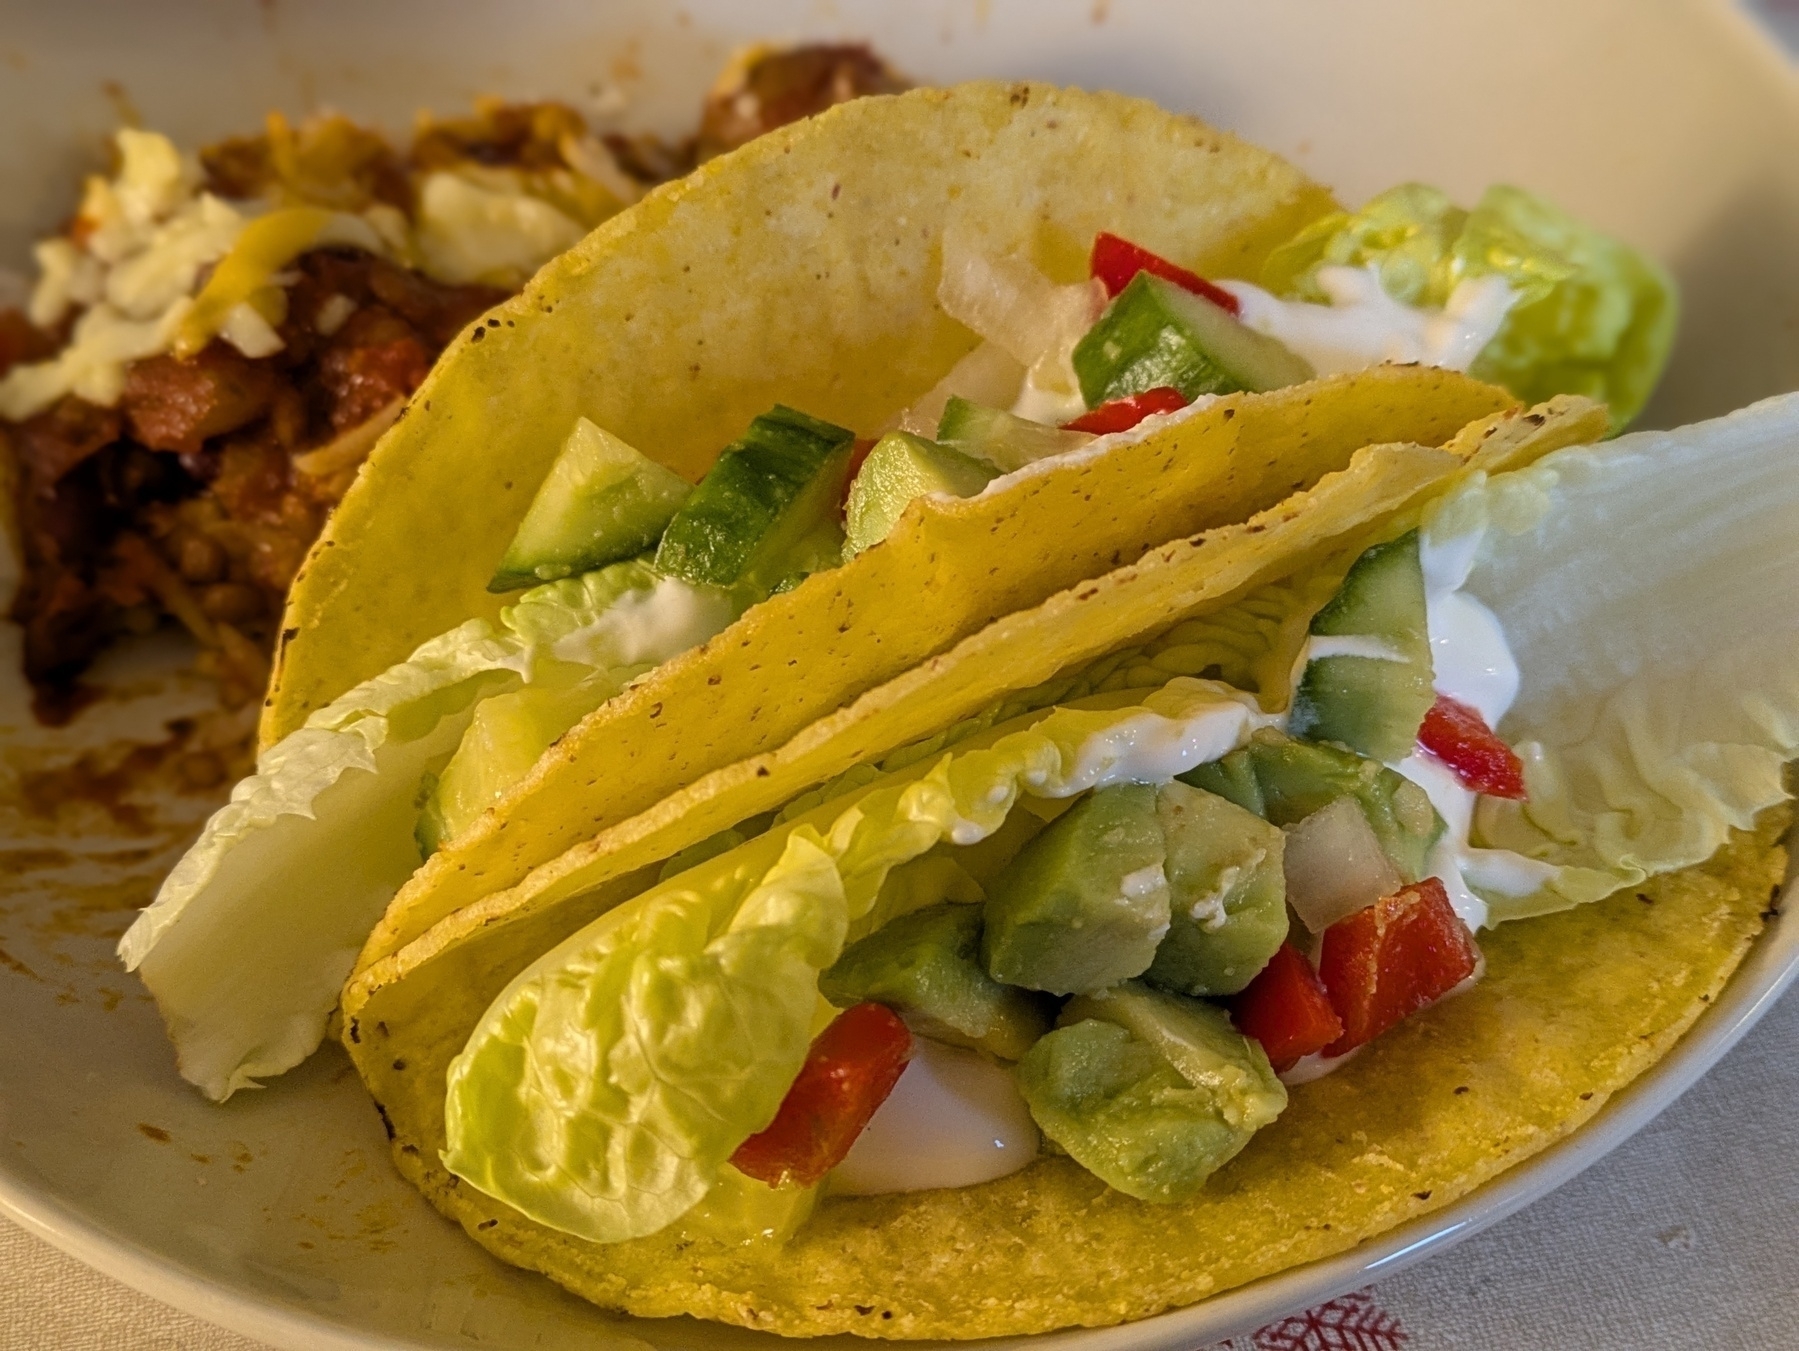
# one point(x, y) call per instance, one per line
point(1352, 1323)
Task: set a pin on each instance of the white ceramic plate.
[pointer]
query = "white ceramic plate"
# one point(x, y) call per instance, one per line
point(278, 1215)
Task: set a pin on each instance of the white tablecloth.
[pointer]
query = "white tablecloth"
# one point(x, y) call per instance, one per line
point(1684, 1237)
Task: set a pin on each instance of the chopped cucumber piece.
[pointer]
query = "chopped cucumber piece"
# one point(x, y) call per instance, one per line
point(900, 468)
point(503, 741)
point(1085, 903)
point(601, 502)
point(1003, 439)
point(926, 967)
point(1283, 781)
point(770, 493)
point(1227, 894)
point(1150, 1092)
point(1372, 704)
point(1156, 334)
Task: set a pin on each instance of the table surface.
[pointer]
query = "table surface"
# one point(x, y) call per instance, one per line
point(1681, 1237)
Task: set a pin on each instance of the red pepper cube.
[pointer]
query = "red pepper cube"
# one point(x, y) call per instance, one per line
point(1120, 415)
point(852, 1067)
point(1115, 261)
point(1286, 1009)
point(1459, 737)
point(1387, 961)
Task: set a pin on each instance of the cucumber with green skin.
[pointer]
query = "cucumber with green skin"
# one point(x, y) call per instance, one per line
point(1372, 704)
point(900, 468)
point(1002, 439)
point(769, 493)
point(601, 502)
point(1157, 334)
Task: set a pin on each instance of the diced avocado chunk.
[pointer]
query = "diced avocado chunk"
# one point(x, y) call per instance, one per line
point(1158, 334)
point(1150, 1092)
point(1002, 439)
point(1373, 704)
point(926, 967)
point(766, 499)
point(1085, 903)
point(505, 738)
point(1227, 894)
point(601, 502)
point(900, 468)
point(1284, 781)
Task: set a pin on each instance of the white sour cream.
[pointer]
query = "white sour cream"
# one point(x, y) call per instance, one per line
point(1151, 748)
point(651, 625)
point(1363, 326)
point(1470, 659)
point(954, 1119)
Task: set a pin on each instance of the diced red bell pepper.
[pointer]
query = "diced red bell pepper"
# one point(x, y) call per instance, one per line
point(1120, 415)
point(859, 449)
point(1115, 261)
point(852, 1067)
point(1459, 737)
point(1286, 1009)
point(1390, 959)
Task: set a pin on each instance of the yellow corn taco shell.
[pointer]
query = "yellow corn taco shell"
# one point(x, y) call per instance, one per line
point(950, 567)
point(803, 269)
point(1572, 1008)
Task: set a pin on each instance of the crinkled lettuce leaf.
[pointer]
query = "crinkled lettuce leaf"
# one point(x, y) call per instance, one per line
point(604, 1089)
point(1647, 589)
point(254, 931)
point(597, 633)
point(1591, 315)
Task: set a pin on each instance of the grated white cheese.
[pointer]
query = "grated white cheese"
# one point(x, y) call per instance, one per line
point(151, 239)
point(488, 231)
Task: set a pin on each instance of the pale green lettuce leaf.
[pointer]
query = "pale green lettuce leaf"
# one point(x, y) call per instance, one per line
point(1647, 589)
point(606, 1086)
point(254, 931)
point(597, 633)
point(1591, 316)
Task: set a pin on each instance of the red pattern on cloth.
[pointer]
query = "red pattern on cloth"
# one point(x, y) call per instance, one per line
point(1353, 1322)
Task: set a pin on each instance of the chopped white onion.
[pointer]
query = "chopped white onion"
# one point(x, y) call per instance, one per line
point(1335, 865)
point(989, 374)
point(1017, 308)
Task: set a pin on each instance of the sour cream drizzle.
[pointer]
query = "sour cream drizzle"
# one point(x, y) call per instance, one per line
point(1364, 326)
point(1472, 664)
point(954, 1119)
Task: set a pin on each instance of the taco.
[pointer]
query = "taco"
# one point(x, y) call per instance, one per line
point(1105, 868)
point(863, 312)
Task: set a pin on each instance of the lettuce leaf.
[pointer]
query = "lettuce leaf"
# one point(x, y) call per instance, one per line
point(254, 931)
point(1591, 315)
point(604, 1089)
point(1646, 589)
